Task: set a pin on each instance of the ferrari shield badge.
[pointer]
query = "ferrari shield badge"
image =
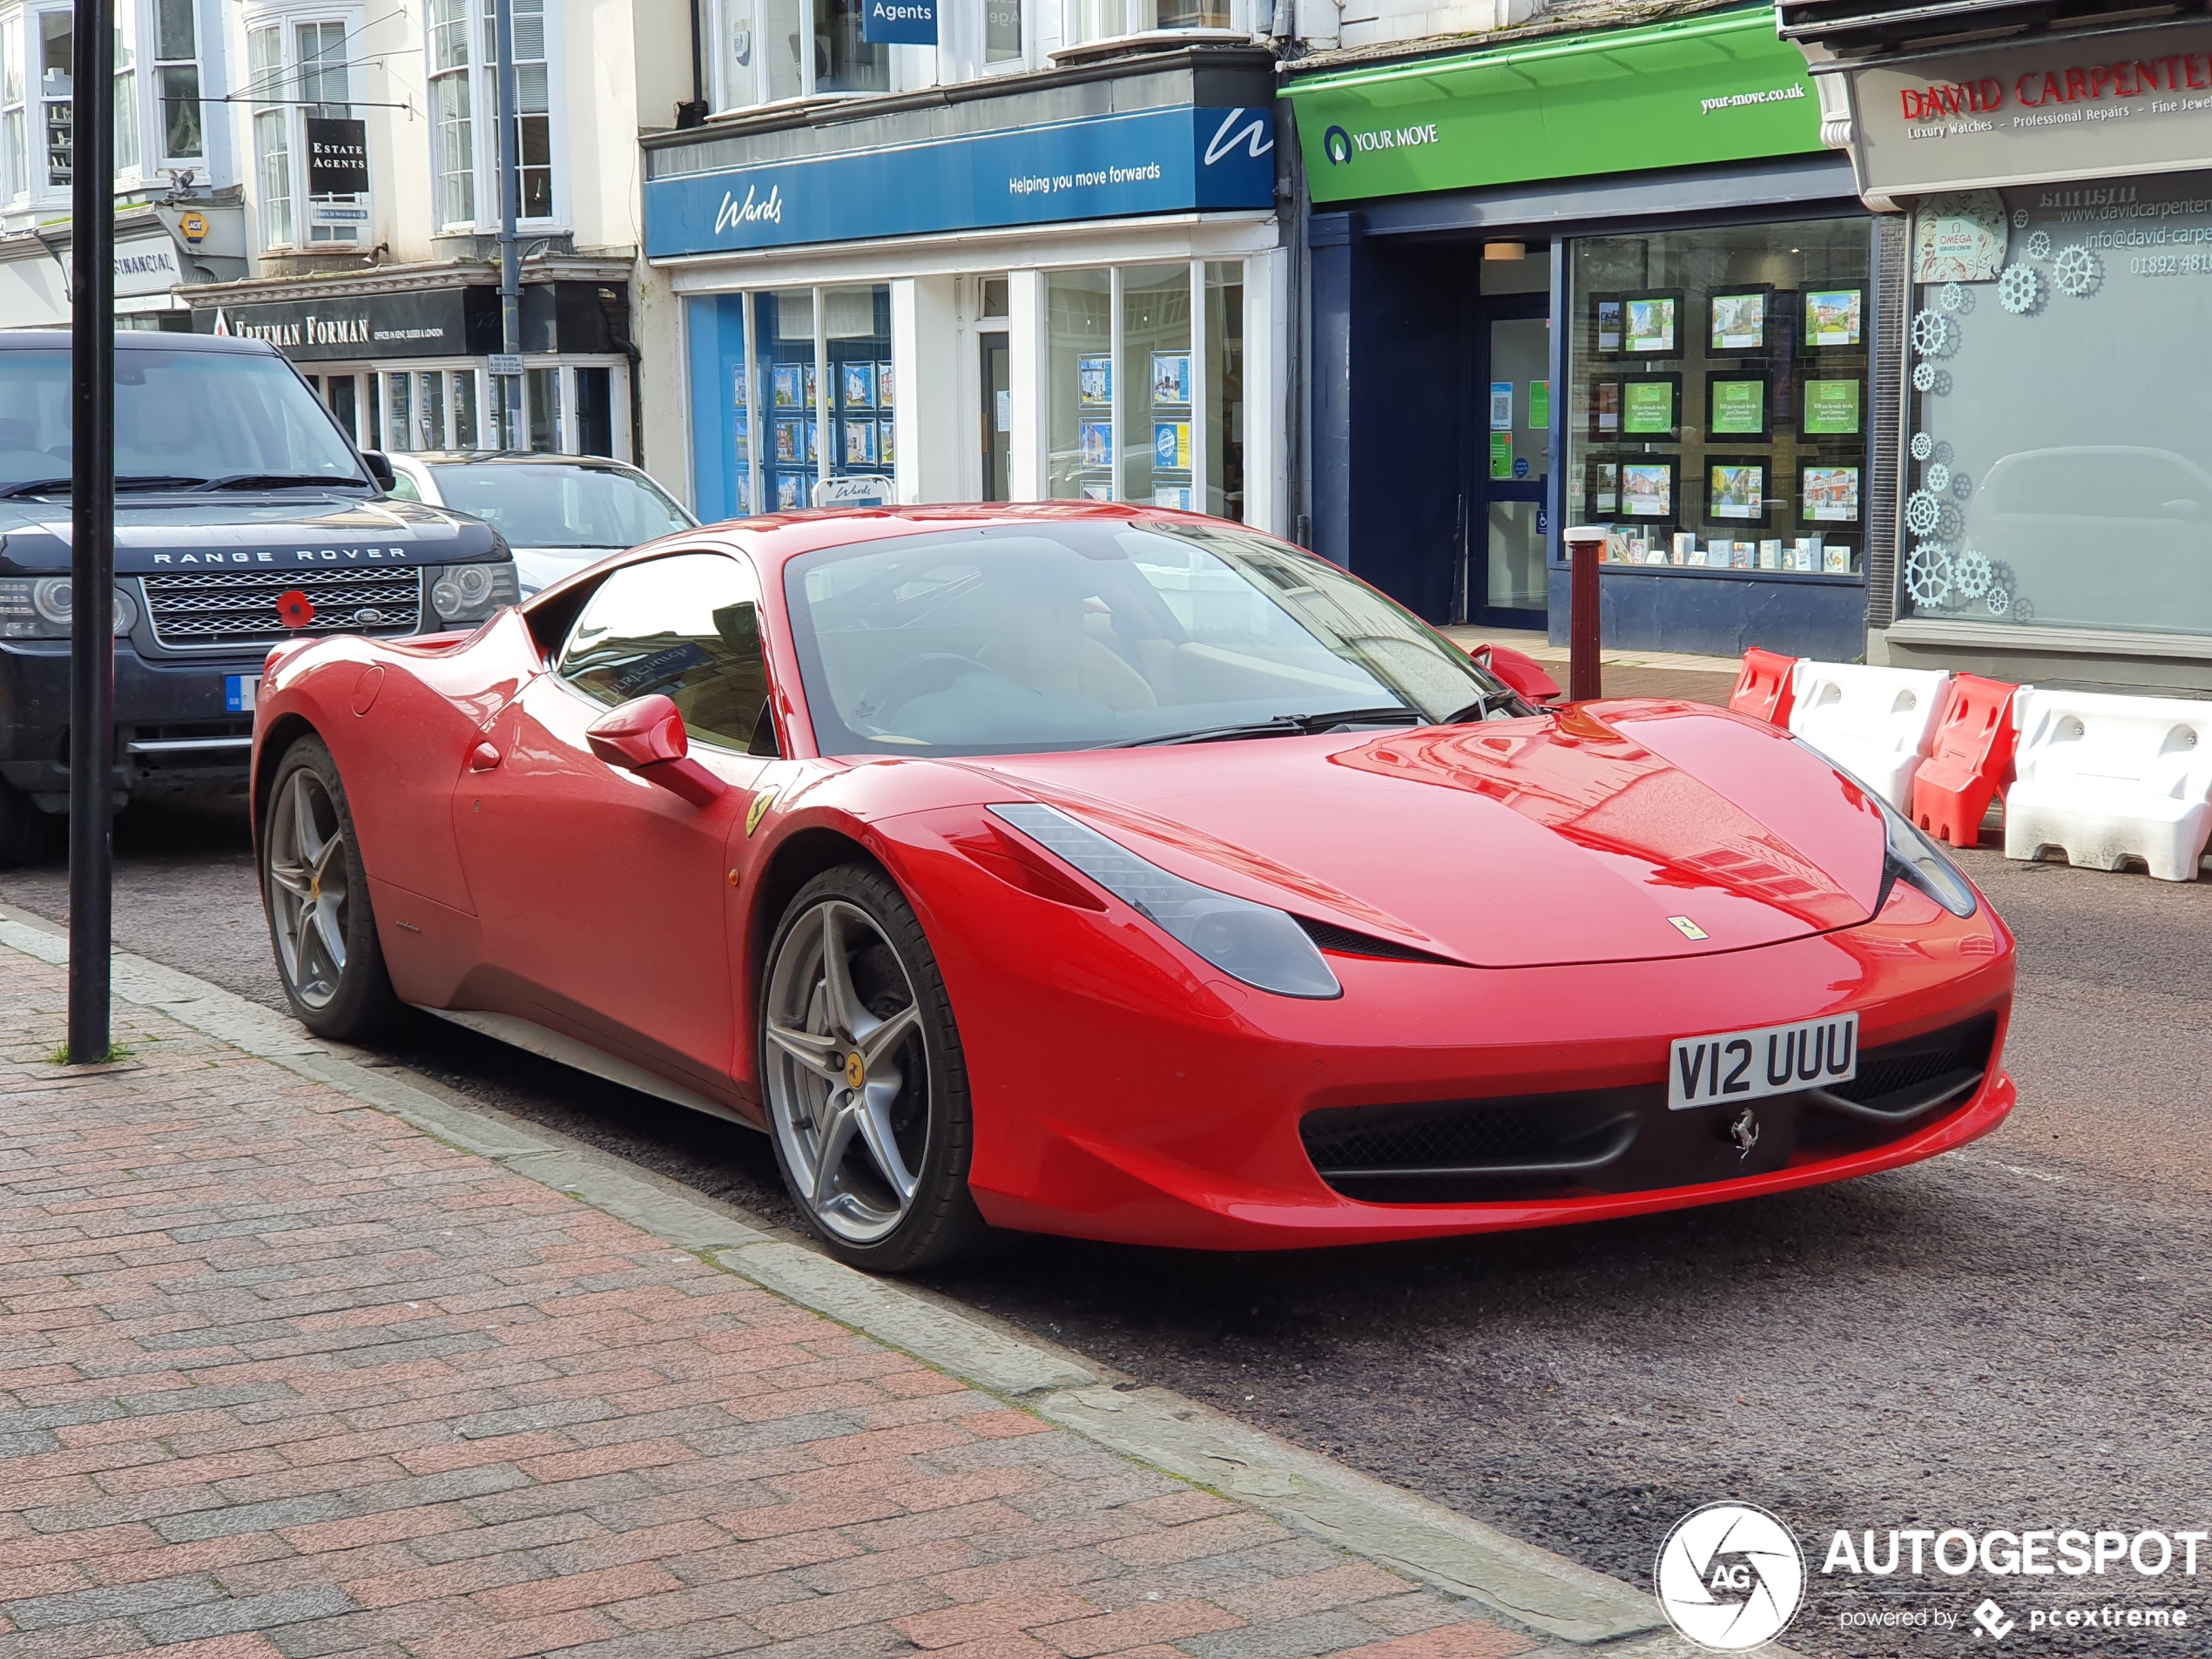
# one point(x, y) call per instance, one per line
point(759, 810)
point(1686, 927)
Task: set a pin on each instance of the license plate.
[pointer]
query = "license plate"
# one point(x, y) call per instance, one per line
point(1752, 1065)
point(240, 692)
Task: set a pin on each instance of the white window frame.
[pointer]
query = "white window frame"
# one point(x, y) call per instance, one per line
point(15, 113)
point(156, 147)
point(910, 68)
point(280, 92)
point(1140, 18)
point(482, 78)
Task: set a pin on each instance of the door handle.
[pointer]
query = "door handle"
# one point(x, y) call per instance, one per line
point(483, 758)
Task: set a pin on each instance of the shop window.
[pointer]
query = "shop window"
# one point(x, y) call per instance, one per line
point(430, 411)
point(177, 80)
point(1718, 414)
point(342, 392)
point(544, 386)
point(1135, 414)
point(767, 50)
point(594, 411)
point(2052, 476)
point(464, 409)
point(399, 404)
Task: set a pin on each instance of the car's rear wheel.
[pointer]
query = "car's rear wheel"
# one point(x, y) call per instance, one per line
point(328, 958)
point(866, 1088)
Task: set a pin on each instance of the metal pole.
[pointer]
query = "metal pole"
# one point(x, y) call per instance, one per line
point(510, 289)
point(91, 553)
point(1584, 544)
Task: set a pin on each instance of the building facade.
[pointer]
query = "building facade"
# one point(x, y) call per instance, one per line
point(326, 176)
point(2043, 175)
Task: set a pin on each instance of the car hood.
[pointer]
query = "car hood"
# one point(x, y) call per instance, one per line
point(1615, 832)
point(156, 532)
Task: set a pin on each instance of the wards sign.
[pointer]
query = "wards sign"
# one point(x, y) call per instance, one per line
point(899, 22)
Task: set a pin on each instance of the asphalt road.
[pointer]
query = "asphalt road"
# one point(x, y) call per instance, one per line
point(2018, 1335)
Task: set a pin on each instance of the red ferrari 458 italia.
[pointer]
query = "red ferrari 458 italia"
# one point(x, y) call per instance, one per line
point(1116, 872)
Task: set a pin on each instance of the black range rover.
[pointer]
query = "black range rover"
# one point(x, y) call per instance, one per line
point(243, 516)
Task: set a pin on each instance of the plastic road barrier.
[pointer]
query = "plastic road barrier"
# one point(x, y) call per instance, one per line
point(1875, 723)
point(1972, 754)
point(2108, 777)
point(1763, 689)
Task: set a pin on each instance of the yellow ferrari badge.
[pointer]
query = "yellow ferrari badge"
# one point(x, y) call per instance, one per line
point(759, 810)
point(1686, 927)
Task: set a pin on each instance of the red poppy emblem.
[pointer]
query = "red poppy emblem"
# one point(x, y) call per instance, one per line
point(295, 610)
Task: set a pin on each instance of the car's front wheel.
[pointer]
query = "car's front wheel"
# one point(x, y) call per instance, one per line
point(328, 957)
point(866, 1088)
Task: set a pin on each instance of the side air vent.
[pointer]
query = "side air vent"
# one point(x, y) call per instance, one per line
point(1347, 942)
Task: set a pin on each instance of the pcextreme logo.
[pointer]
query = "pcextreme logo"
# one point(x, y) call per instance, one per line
point(1729, 1577)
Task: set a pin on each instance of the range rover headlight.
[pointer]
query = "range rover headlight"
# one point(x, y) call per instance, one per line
point(471, 592)
point(40, 607)
point(1256, 943)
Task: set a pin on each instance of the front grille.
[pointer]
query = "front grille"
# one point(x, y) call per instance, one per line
point(1625, 1140)
point(239, 608)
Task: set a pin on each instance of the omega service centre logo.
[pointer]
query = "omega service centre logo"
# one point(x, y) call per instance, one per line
point(1729, 1577)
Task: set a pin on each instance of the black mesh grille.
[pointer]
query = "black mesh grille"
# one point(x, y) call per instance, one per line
point(1347, 942)
point(239, 608)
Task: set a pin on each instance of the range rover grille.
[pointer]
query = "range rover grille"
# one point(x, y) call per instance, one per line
point(239, 608)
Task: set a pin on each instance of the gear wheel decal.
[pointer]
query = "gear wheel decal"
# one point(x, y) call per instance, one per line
point(1938, 478)
point(2023, 611)
point(2077, 271)
point(1999, 602)
point(1923, 444)
point(1961, 486)
point(1957, 299)
point(1924, 377)
point(1927, 574)
point(2020, 290)
point(1972, 575)
point(1923, 512)
point(1932, 333)
point(2038, 245)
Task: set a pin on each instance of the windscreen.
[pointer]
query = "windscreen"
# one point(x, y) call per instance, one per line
point(545, 504)
point(1024, 639)
point(182, 417)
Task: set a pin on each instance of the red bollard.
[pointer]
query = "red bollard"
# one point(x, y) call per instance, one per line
point(1585, 545)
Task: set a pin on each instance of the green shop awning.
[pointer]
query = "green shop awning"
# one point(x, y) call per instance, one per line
point(1716, 88)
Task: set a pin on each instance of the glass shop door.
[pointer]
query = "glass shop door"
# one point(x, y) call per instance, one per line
point(1506, 521)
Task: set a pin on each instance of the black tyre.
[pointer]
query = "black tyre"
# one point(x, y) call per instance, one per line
point(23, 829)
point(863, 1079)
point(316, 891)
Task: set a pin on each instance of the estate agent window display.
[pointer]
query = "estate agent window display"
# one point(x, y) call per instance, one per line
point(1720, 397)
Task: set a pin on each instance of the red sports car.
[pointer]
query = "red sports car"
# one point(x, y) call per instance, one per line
point(1124, 873)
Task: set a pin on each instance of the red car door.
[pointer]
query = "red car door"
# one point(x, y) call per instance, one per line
point(602, 897)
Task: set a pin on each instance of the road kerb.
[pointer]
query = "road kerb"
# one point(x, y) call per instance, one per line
point(1532, 1588)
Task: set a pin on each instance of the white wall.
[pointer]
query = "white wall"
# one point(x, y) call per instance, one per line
point(1373, 22)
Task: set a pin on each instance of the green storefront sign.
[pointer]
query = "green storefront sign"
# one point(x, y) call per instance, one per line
point(1716, 88)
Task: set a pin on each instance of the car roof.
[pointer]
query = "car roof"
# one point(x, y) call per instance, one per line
point(511, 458)
point(45, 338)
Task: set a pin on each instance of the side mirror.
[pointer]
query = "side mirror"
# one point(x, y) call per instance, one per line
point(645, 736)
point(379, 467)
point(1518, 670)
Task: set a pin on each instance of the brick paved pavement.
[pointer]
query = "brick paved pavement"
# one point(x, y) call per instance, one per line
point(281, 1375)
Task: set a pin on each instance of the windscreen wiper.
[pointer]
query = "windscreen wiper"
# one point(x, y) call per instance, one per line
point(131, 481)
point(1280, 726)
point(1480, 709)
point(33, 487)
point(273, 481)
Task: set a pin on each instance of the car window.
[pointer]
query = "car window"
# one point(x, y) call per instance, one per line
point(687, 626)
point(1012, 638)
point(404, 486)
point(551, 503)
point(180, 414)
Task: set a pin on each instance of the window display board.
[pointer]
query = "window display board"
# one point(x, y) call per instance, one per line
point(1719, 384)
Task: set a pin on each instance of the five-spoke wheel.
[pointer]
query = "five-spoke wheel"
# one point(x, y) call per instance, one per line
point(328, 953)
point(866, 1094)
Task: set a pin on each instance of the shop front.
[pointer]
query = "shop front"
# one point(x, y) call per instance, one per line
point(408, 361)
point(1607, 278)
point(2055, 203)
point(1066, 287)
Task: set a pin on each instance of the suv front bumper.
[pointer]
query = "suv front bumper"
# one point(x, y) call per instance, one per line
point(174, 729)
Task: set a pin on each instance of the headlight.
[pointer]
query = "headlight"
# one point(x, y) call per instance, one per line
point(1261, 945)
point(471, 592)
point(1910, 856)
point(40, 608)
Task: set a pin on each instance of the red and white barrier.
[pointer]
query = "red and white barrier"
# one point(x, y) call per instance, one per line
point(1762, 687)
point(1878, 723)
point(2107, 777)
point(1968, 761)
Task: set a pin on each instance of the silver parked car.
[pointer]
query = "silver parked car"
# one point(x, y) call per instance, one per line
point(558, 513)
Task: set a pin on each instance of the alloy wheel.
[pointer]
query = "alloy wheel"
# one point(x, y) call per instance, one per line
point(847, 1071)
point(307, 888)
